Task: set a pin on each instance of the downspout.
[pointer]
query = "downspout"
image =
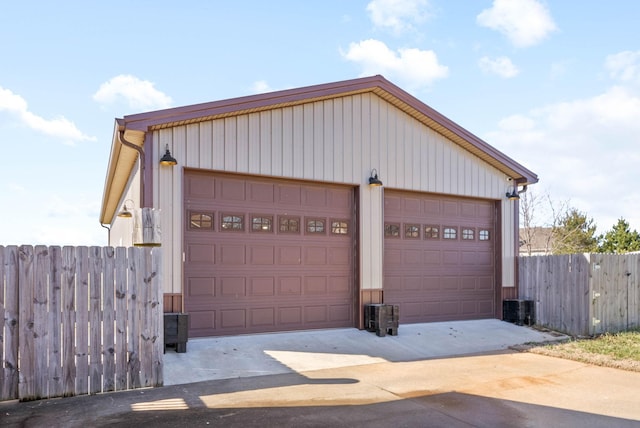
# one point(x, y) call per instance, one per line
point(141, 157)
point(108, 233)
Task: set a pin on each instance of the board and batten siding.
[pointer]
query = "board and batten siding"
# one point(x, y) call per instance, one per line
point(340, 141)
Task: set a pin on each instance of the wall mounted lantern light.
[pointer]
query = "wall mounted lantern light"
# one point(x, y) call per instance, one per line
point(374, 181)
point(513, 195)
point(126, 213)
point(167, 159)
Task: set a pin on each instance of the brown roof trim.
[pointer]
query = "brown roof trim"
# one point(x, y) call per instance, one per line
point(376, 84)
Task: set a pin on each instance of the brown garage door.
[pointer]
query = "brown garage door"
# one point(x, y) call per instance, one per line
point(266, 255)
point(439, 261)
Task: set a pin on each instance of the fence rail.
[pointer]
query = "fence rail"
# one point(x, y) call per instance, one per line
point(583, 294)
point(79, 320)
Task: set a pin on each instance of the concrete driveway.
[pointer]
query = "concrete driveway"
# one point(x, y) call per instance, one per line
point(359, 380)
point(293, 352)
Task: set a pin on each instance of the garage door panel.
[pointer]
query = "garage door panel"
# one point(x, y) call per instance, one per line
point(431, 257)
point(289, 255)
point(201, 287)
point(231, 190)
point(315, 314)
point(431, 208)
point(457, 276)
point(315, 256)
point(261, 192)
point(262, 255)
point(315, 285)
point(412, 257)
point(232, 254)
point(340, 199)
point(450, 258)
point(340, 313)
point(201, 253)
point(339, 256)
point(290, 286)
point(340, 285)
point(200, 187)
point(412, 206)
point(261, 287)
point(279, 279)
point(232, 286)
point(262, 317)
point(233, 318)
point(204, 320)
point(288, 194)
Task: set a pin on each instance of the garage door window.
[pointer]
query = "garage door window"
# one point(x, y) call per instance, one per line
point(200, 221)
point(316, 226)
point(339, 227)
point(431, 232)
point(261, 223)
point(287, 224)
point(468, 234)
point(232, 222)
point(484, 235)
point(412, 231)
point(391, 230)
point(450, 233)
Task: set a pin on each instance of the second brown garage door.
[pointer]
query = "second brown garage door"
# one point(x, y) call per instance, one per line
point(439, 261)
point(266, 255)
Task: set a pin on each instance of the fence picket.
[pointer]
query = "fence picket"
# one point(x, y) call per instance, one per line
point(95, 320)
point(27, 349)
point(157, 323)
point(40, 322)
point(121, 317)
point(82, 320)
point(55, 322)
point(135, 278)
point(108, 323)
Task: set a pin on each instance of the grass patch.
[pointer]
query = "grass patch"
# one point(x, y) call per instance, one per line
point(617, 350)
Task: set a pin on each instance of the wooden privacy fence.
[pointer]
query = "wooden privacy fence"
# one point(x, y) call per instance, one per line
point(583, 294)
point(79, 320)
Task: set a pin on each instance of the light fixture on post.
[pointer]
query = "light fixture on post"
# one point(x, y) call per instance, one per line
point(126, 213)
point(167, 159)
point(374, 181)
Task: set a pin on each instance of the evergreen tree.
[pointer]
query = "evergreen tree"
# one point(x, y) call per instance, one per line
point(574, 233)
point(620, 239)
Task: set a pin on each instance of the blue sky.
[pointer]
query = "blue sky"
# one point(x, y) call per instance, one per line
point(553, 84)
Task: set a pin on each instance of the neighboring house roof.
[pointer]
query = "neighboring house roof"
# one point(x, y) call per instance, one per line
point(134, 127)
point(536, 240)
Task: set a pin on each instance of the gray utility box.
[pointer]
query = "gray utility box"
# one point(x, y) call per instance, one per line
point(176, 331)
point(382, 319)
point(519, 312)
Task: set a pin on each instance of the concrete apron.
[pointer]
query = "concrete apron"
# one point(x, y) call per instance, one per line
point(295, 352)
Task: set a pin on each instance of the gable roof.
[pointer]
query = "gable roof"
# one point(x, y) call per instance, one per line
point(134, 127)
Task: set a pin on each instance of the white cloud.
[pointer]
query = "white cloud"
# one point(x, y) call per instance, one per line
point(59, 127)
point(585, 151)
point(502, 66)
point(523, 22)
point(398, 15)
point(624, 66)
point(139, 94)
point(414, 67)
point(260, 87)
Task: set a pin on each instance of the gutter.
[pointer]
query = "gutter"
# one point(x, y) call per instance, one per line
point(141, 158)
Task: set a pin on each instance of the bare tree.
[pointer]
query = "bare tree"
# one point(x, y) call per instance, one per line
point(540, 219)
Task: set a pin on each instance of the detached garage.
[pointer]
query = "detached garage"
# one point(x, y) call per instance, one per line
point(292, 210)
